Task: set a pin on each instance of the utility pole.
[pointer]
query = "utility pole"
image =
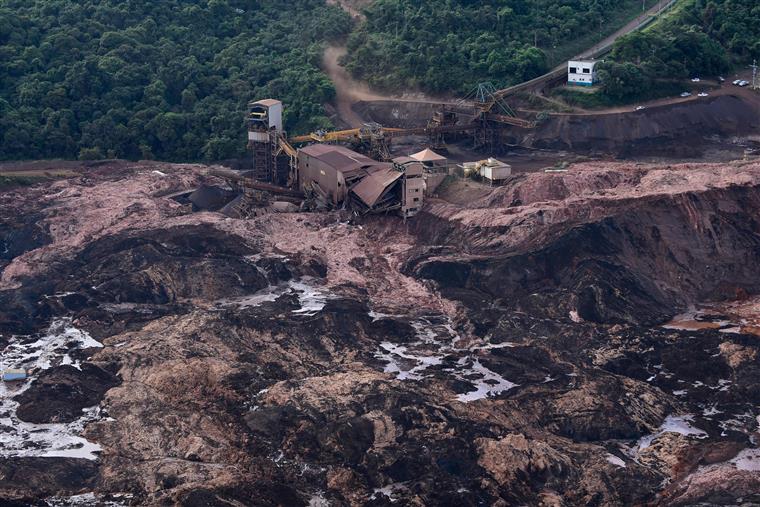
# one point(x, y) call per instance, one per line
point(755, 83)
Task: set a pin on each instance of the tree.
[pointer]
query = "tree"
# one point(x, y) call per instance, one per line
point(622, 81)
point(90, 153)
point(167, 80)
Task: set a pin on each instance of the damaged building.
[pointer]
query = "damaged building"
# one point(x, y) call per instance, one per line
point(334, 175)
point(342, 177)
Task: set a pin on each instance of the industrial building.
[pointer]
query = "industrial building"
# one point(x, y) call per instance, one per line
point(436, 169)
point(266, 140)
point(412, 185)
point(332, 175)
point(340, 176)
point(432, 161)
point(333, 169)
point(581, 72)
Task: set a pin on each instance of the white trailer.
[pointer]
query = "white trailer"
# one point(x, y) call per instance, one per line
point(581, 72)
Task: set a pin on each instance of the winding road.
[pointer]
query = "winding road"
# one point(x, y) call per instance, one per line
point(349, 90)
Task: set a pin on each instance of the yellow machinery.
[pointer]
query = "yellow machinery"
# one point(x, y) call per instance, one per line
point(368, 132)
point(490, 109)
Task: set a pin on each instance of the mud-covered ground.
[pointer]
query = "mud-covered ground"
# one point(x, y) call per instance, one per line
point(518, 347)
point(722, 127)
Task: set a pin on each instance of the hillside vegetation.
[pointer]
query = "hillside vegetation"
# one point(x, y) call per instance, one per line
point(162, 79)
point(701, 38)
point(170, 79)
point(449, 46)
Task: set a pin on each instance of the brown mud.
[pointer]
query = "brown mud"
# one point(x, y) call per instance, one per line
point(501, 348)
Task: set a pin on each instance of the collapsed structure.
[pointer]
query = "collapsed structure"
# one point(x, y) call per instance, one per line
point(334, 175)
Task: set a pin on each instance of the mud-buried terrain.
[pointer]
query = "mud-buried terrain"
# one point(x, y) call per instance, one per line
point(515, 349)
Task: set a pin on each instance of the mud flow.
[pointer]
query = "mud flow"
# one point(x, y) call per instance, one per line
point(584, 337)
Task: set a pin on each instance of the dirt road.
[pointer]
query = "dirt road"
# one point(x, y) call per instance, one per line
point(726, 89)
point(353, 7)
point(347, 89)
point(635, 24)
point(595, 51)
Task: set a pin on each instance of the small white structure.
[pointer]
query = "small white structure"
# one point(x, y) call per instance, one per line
point(264, 116)
point(495, 171)
point(581, 72)
point(491, 170)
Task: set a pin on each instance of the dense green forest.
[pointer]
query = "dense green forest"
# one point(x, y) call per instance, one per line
point(164, 79)
point(701, 38)
point(170, 79)
point(451, 45)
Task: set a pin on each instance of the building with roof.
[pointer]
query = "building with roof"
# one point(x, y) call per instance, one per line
point(436, 169)
point(431, 160)
point(333, 169)
point(581, 72)
point(413, 185)
point(264, 121)
point(340, 175)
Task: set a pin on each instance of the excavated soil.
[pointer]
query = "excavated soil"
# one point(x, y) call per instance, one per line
point(673, 130)
point(517, 347)
point(679, 130)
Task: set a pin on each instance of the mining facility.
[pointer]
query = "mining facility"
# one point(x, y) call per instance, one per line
point(332, 175)
point(366, 178)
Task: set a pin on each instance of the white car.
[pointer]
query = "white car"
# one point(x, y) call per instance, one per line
point(686, 94)
point(743, 83)
point(703, 94)
point(736, 83)
point(695, 80)
point(639, 108)
point(721, 79)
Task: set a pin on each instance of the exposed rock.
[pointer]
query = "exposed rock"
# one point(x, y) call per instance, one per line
point(514, 457)
point(32, 478)
point(657, 242)
point(736, 354)
point(60, 394)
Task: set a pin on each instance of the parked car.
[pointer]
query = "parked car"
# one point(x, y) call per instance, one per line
point(686, 94)
point(736, 83)
point(721, 79)
point(639, 108)
point(702, 94)
point(695, 80)
point(743, 83)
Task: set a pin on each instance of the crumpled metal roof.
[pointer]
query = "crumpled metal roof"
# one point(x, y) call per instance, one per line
point(372, 187)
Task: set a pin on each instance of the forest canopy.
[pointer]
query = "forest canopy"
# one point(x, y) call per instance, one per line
point(165, 79)
point(170, 79)
point(449, 46)
point(702, 38)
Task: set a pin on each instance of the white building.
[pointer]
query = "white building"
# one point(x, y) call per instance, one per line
point(581, 72)
point(494, 171)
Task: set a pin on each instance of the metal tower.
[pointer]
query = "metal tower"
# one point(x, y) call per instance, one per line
point(264, 127)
